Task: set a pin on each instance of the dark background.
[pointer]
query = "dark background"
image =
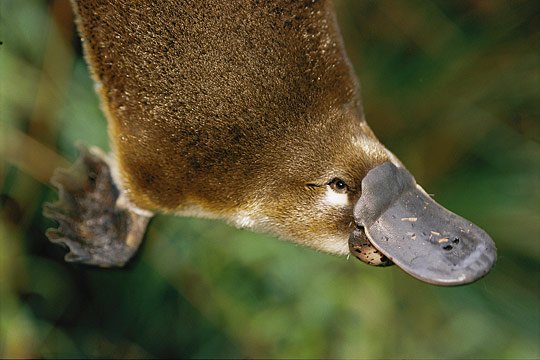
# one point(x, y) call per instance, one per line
point(451, 87)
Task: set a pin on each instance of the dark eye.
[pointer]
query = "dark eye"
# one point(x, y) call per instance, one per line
point(338, 185)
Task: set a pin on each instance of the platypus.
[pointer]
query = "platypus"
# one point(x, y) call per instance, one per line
point(246, 111)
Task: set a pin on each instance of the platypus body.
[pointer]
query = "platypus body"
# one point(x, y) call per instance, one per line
point(246, 111)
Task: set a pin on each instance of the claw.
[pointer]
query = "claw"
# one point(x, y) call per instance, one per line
point(92, 224)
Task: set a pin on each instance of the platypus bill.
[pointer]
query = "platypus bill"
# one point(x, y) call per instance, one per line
point(246, 111)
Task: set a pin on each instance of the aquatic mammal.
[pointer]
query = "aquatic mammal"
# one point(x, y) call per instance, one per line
point(247, 111)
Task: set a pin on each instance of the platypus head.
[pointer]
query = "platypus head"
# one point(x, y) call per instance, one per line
point(341, 191)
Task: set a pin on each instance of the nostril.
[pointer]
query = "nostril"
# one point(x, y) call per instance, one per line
point(447, 247)
point(455, 241)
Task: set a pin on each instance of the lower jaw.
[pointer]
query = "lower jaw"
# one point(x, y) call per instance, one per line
point(361, 248)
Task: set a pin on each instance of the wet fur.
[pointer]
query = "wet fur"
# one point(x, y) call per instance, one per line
point(241, 110)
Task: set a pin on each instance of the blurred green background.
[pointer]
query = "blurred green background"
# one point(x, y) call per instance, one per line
point(451, 87)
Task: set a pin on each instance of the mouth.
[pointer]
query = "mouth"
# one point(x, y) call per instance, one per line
point(398, 222)
point(363, 249)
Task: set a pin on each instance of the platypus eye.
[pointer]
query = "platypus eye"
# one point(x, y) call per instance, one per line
point(338, 185)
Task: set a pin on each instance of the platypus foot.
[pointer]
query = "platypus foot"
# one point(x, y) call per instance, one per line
point(94, 225)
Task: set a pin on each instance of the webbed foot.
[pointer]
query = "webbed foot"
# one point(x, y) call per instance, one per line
point(96, 227)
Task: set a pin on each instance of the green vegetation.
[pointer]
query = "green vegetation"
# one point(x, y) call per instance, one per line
point(452, 87)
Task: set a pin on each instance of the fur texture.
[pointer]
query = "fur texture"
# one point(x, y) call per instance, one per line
point(240, 110)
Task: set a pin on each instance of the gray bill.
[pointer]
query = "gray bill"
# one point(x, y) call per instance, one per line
point(416, 233)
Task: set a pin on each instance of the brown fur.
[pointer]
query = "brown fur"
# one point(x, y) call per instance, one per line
point(220, 108)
